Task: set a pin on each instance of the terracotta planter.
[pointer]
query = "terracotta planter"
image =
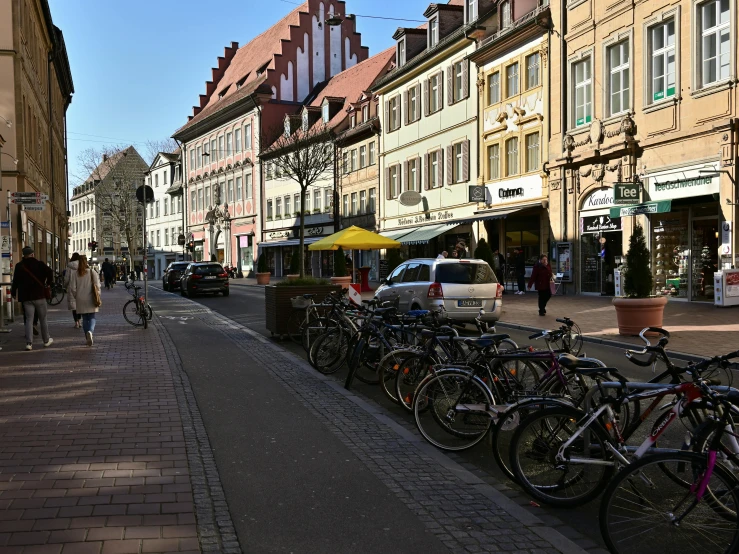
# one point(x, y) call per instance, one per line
point(292, 277)
point(263, 278)
point(634, 314)
point(343, 281)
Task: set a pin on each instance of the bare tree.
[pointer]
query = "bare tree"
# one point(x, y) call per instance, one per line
point(116, 173)
point(153, 147)
point(305, 156)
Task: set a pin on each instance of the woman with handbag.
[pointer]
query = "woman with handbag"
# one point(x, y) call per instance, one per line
point(84, 295)
point(72, 267)
point(542, 278)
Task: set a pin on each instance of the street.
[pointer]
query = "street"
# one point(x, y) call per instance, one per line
point(215, 390)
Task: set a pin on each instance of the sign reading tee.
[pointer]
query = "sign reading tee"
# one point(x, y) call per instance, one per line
point(626, 193)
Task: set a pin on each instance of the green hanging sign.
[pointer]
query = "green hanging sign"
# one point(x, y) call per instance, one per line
point(663, 206)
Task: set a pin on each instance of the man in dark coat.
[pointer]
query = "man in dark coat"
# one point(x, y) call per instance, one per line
point(30, 279)
point(108, 273)
point(541, 277)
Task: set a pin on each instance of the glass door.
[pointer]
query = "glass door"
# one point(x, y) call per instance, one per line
point(704, 256)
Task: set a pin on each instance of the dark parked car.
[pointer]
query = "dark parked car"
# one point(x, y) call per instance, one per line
point(171, 277)
point(204, 277)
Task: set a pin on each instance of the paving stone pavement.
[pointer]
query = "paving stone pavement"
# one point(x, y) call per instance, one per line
point(696, 328)
point(461, 509)
point(102, 449)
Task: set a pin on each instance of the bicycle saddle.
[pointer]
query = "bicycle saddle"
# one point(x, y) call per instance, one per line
point(497, 338)
point(384, 311)
point(573, 362)
point(479, 343)
point(308, 296)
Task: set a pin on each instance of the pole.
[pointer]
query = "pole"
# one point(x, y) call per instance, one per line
point(146, 250)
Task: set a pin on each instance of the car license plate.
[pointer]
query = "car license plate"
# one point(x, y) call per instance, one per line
point(209, 277)
point(469, 303)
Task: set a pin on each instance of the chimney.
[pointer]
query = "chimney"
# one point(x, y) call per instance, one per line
point(105, 157)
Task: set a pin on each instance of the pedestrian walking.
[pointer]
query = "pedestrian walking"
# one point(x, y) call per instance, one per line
point(32, 284)
point(542, 278)
point(84, 293)
point(108, 274)
point(138, 272)
point(520, 267)
point(72, 266)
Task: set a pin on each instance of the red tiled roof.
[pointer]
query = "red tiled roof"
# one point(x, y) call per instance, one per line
point(259, 52)
point(352, 82)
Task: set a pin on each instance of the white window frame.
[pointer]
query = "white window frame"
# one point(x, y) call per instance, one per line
point(493, 88)
point(623, 43)
point(535, 56)
point(247, 136)
point(325, 112)
point(699, 35)
point(530, 168)
point(458, 158)
point(317, 200)
point(506, 18)
point(237, 140)
point(585, 57)
point(458, 81)
point(509, 171)
point(414, 103)
point(413, 181)
point(433, 38)
point(401, 52)
point(433, 169)
point(662, 20)
point(365, 114)
point(248, 186)
point(493, 175)
point(394, 183)
point(512, 77)
point(470, 11)
point(354, 203)
point(362, 201)
point(287, 201)
point(372, 201)
point(353, 159)
point(394, 110)
point(434, 105)
point(372, 154)
point(239, 196)
point(362, 156)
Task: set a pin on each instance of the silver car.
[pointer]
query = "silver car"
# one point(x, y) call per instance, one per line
point(461, 287)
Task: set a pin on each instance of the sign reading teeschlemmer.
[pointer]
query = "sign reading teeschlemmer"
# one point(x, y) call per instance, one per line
point(683, 185)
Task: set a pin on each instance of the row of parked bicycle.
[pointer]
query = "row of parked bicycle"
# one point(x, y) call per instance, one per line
point(564, 427)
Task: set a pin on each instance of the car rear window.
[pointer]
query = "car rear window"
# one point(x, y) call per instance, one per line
point(465, 274)
point(178, 267)
point(207, 269)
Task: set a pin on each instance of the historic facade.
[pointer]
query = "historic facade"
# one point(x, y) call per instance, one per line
point(252, 89)
point(648, 115)
point(35, 91)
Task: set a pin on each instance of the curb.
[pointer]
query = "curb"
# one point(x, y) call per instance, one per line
point(605, 342)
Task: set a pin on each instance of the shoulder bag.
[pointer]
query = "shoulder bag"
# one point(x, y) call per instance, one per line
point(47, 288)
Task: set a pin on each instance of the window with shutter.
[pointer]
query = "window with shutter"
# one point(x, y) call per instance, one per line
point(426, 174)
point(426, 98)
point(387, 115)
point(405, 174)
point(406, 112)
point(449, 165)
point(450, 85)
point(465, 79)
point(387, 184)
point(440, 168)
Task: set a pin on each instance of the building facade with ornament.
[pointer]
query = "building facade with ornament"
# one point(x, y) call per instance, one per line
point(242, 110)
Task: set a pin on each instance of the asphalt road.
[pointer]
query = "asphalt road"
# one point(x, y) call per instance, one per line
point(246, 306)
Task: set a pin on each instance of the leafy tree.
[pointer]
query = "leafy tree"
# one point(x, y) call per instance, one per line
point(483, 252)
point(339, 263)
point(637, 275)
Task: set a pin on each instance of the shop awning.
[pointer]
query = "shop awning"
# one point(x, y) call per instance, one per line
point(396, 234)
point(663, 206)
point(490, 215)
point(291, 242)
point(423, 235)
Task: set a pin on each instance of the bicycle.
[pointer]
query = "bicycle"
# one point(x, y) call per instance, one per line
point(57, 291)
point(136, 311)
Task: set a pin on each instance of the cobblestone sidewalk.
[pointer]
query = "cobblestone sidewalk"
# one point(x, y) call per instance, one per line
point(93, 453)
point(695, 328)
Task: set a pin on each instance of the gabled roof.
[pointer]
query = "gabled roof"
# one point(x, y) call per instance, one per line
point(351, 83)
point(107, 165)
point(248, 67)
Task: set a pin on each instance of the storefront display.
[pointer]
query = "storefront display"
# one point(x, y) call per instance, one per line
point(601, 242)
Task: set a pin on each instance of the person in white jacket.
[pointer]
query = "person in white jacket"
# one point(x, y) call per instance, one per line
point(82, 287)
point(72, 268)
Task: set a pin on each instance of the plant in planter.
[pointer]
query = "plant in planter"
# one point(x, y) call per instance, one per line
point(340, 274)
point(294, 266)
point(263, 274)
point(638, 309)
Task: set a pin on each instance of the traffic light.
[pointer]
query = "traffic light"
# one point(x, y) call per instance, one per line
point(191, 246)
point(93, 245)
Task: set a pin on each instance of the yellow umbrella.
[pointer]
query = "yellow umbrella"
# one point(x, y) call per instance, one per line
point(354, 238)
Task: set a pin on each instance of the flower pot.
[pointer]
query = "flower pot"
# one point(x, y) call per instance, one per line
point(634, 314)
point(292, 277)
point(343, 281)
point(263, 278)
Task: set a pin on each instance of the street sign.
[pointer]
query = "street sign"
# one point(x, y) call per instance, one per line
point(34, 207)
point(625, 193)
point(29, 195)
point(4, 224)
point(27, 201)
point(5, 244)
point(660, 207)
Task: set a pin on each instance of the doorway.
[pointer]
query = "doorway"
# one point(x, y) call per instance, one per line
point(704, 257)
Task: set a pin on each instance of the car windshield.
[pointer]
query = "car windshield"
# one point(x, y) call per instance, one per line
point(465, 274)
point(210, 268)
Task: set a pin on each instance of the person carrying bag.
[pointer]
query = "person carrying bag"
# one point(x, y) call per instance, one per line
point(84, 293)
point(542, 279)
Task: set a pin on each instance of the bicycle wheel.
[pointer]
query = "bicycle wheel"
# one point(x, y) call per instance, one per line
point(645, 510)
point(57, 295)
point(314, 328)
point(437, 417)
point(365, 360)
point(132, 314)
point(516, 377)
point(297, 317)
point(407, 379)
point(560, 483)
point(328, 352)
point(388, 368)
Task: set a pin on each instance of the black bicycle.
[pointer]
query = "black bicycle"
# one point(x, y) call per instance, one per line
point(136, 311)
point(57, 291)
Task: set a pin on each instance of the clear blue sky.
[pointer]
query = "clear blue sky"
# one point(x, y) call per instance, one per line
point(139, 66)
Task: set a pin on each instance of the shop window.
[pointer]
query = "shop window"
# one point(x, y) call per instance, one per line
point(715, 42)
point(582, 92)
point(619, 78)
point(662, 64)
point(532, 70)
point(494, 88)
point(494, 161)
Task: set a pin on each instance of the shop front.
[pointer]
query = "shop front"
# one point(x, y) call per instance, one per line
point(245, 254)
point(280, 246)
point(601, 243)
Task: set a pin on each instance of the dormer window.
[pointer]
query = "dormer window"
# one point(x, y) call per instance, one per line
point(401, 52)
point(325, 113)
point(354, 120)
point(305, 121)
point(287, 127)
point(470, 10)
point(433, 31)
point(505, 20)
point(365, 113)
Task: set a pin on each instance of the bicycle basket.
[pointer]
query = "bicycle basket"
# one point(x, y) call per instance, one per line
point(299, 302)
